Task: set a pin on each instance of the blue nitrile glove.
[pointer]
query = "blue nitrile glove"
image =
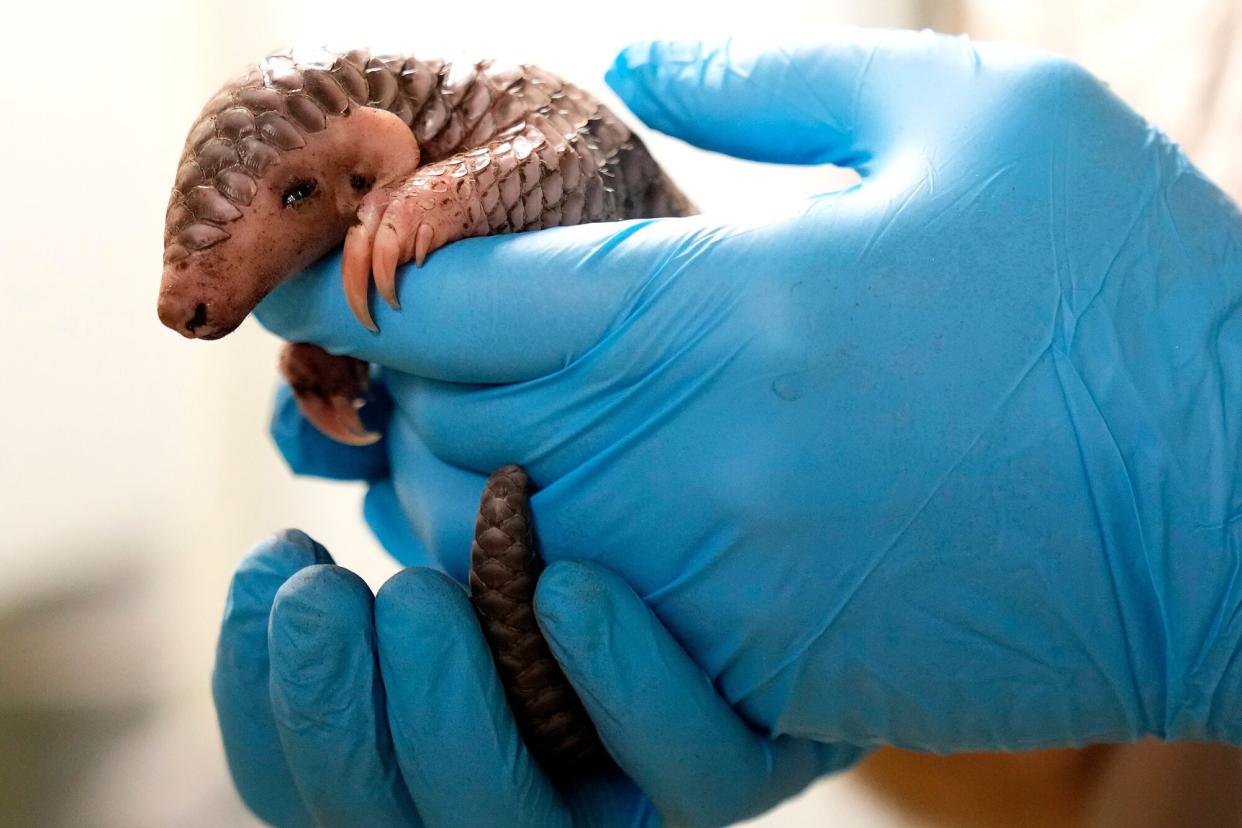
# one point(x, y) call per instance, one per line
point(946, 460)
point(340, 709)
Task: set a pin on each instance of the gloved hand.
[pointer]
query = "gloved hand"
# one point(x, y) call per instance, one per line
point(947, 460)
point(339, 709)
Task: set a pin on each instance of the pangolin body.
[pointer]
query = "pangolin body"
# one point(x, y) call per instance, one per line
point(398, 156)
point(469, 150)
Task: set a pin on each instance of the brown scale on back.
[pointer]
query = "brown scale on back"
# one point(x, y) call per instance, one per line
point(396, 157)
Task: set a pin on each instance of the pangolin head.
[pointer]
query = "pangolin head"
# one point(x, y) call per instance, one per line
point(272, 174)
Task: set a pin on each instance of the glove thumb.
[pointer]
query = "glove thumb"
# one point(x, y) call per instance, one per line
point(840, 99)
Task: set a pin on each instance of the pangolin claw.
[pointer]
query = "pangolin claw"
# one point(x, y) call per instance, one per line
point(422, 243)
point(337, 417)
point(384, 263)
point(356, 273)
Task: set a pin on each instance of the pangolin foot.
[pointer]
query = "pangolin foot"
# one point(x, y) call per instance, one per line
point(395, 226)
point(329, 390)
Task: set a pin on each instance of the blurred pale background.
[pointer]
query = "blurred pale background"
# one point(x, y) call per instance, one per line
point(135, 467)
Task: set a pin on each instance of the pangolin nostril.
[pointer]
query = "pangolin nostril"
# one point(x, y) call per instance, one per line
point(199, 318)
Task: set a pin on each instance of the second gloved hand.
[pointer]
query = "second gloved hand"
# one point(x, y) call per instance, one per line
point(947, 460)
point(342, 709)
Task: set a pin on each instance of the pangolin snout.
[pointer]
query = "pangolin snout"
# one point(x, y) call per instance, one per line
point(185, 316)
point(194, 316)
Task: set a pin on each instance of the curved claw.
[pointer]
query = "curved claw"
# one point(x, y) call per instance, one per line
point(337, 417)
point(388, 232)
point(422, 243)
point(387, 253)
point(356, 272)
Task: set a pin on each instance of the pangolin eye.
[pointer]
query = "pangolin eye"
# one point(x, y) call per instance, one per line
point(360, 182)
point(298, 191)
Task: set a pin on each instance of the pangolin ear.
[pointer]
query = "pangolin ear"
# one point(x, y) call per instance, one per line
point(383, 142)
point(375, 146)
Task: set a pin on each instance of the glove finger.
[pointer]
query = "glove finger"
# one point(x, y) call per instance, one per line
point(328, 701)
point(459, 749)
point(311, 453)
point(239, 682)
point(658, 712)
point(491, 310)
point(794, 105)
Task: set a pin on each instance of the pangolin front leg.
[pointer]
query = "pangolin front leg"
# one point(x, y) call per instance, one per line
point(329, 390)
point(529, 177)
point(397, 224)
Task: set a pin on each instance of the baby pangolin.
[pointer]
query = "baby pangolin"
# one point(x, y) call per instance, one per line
point(397, 156)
